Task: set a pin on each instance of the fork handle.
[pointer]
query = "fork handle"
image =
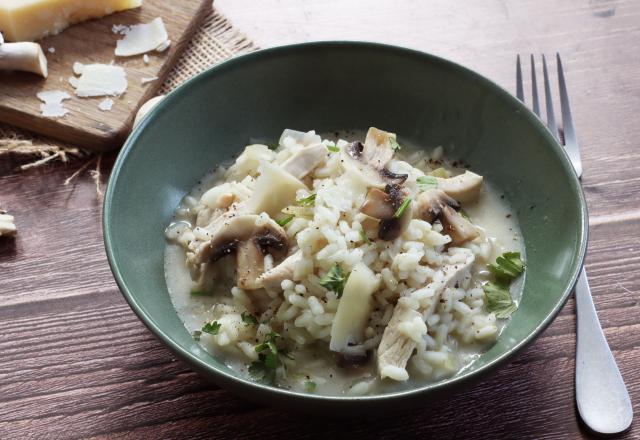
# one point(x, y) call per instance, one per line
point(602, 397)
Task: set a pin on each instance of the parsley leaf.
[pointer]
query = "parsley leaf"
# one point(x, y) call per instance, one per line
point(333, 149)
point(212, 327)
point(273, 147)
point(427, 182)
point(364, 237)
point(264, 369)
point(499, 300)
point(309, 386)
point(307, 201)
point(199, 293)
point(395, 146)
point(402, 208)
point(508, 266)
point(249, 319)
point(334, 280)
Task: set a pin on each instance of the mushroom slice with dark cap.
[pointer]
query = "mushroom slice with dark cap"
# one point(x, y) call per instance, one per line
point(369, 160)
point(250, 237)
point(435, 204)
point(384, 206)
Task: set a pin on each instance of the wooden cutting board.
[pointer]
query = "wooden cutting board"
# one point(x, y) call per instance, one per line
point(86, 125)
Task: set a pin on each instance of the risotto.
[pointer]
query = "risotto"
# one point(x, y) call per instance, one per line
point(348, 265)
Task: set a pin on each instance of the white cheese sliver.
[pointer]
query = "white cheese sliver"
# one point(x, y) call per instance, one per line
point(101, 80)
point(145, 58)
point(148, 80)
point(78, 68)
point(52, 106)
point(142, 38)
point(106, 105)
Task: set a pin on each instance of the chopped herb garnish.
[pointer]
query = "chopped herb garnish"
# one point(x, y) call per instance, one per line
point(427, 182)
point(307, 201)
point(261, 373)
point(333, 149)
point(363, 236)
point(499, 300)
point(309, 386)
point(212, 327)
point(395, 146)
point(196, 335)
point(285, 220)
point(402, 208)
point(249, 319)
point(334, 280)
point(264, 369)
point(199, 293)
point(273, 147)
point(508, 266)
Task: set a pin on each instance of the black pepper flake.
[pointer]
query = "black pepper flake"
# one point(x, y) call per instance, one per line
point(508, 215)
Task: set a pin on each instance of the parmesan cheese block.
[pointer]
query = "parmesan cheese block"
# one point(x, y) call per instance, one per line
point(28, 20)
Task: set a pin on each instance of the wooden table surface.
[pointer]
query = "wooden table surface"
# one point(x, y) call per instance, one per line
point(76, 362)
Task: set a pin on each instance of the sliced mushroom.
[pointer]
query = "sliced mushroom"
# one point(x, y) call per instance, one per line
point(463, 187)
point(399, 337)
point(250, 237)
point(354, 308)
point(274, 190)
point(383, 206)
point(7, 224)
point(457, 227)
point(27, 57)
point(281, 272)
point(378, 204)
point(435, 204)
point(306, 160)
point(368, 161)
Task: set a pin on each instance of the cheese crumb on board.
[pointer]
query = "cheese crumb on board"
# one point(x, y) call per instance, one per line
point(145, 58)
point(106, 105)
point(142, 38)
point(52, 106)
point(120, 29)
point(99, 80)
point(52, 50)
point(29, 20)
point(148, 80)
point(7, 225)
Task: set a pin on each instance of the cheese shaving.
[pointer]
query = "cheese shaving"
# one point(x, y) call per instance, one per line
point(106, 105)
point(52, 106)
point(145, 58)
point(120, 29)
point(142, 38)
point(100, 80)
point(148, 80)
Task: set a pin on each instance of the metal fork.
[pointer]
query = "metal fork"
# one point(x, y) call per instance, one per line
point(601, 395)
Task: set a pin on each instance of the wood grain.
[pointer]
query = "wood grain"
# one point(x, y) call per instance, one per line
point(94, 42)
point(75, 362)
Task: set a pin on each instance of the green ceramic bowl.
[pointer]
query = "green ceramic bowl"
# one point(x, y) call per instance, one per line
point(336, 85)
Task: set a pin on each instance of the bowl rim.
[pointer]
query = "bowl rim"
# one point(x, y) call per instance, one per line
point(455, 381)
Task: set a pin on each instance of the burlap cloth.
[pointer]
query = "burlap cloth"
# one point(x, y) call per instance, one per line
point(215, 41)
